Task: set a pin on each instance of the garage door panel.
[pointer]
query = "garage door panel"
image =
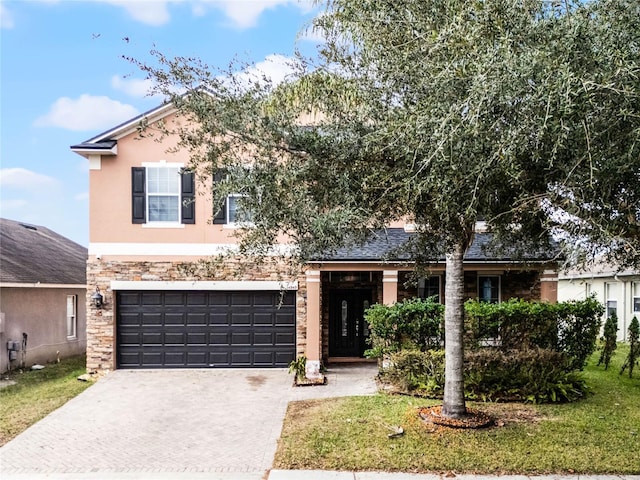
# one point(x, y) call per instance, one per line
point(219, 359)
point(174, 319)
point(205, 329)
point(241, 338)
point(194, 339)
point(150, 319)
point(240, 319)
point(285, 338)
point(222, 338)
point(285, 319)
point(130, 338)
point(127, 298)
point(130, 319)
point(151, 338)
point(196, 318)
point(263, 338)
point(151, 299)
point(218, 319)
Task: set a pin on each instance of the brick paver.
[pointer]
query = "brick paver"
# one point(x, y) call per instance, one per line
point(182, 422)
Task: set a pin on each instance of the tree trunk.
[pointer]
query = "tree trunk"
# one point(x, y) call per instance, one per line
point(453, 404)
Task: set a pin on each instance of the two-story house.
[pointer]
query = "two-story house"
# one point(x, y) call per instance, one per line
point(156, 313)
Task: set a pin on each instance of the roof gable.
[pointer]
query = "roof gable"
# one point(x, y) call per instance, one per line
point(35, 254)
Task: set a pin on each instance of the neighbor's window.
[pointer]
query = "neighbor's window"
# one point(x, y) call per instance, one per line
point(72, 316)
point(611, 298)
point(429, 288)
point(489, 288)
point(636, 297)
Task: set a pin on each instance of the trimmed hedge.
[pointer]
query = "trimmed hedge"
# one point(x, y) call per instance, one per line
point(569, 327)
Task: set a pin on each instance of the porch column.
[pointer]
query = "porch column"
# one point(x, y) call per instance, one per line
point(389, 287)
point(549, 286)
point(313, 325)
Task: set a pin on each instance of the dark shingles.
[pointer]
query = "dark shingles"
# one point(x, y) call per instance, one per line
point(387, 245)
point(35, 254)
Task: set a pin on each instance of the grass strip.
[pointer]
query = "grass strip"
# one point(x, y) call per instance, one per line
point(36, 393)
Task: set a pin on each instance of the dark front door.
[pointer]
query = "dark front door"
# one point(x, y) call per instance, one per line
point(347, 329)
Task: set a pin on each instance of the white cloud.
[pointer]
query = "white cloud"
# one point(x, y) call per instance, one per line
point(150, 12)
point(26, 179)
point(134, 87)
point(10, 205)
point(87, 112)
point(245, 13)
point(274, 67)
point(6, 17)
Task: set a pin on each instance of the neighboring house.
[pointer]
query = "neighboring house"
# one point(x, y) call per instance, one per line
point(618, 291)
point(43, 294)
point(158, 313)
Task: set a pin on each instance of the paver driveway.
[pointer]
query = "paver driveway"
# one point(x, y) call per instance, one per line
point(223, 422)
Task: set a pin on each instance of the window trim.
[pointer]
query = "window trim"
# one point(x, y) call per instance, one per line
point(72, 317)
point(608, 298)
point(635, 297)
point(485, 275)
point(140, 196)
point(423, 294)
point(149, 195)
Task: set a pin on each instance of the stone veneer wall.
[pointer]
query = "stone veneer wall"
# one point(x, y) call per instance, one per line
point(101, 328)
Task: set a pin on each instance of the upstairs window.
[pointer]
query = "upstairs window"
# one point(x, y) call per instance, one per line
point(489, 288)
point(230, 211)
point(162, 193)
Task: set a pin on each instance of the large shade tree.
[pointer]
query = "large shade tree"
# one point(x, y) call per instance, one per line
point(523, 113)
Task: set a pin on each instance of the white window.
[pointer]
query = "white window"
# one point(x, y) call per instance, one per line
point(234, 214)
point(163, 194)
point(72, 316)
point(587, 290)
point(636, 297)
point(429, 288)
point(611, 298)
point(489, 288)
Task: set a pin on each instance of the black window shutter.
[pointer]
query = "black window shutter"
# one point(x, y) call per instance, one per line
point(188, 199)
point(138, 197)
point(220, 216)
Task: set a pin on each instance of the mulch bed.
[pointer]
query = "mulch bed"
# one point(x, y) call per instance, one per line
point(473, 418)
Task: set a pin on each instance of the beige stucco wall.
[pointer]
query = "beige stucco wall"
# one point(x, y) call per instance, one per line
point(41, 313)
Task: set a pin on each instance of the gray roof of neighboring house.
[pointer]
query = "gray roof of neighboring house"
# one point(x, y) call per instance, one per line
point(35, 254)
point(387, 245)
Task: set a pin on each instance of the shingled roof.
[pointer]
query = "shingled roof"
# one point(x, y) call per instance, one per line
point(387, 245)
point(34, 254)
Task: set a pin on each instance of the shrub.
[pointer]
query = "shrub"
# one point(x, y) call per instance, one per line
point(531, 375)
point(634, 347)
point(417, 372)
point(569, 327)
point(516, 323)
point(411, 324)
point(609, 340)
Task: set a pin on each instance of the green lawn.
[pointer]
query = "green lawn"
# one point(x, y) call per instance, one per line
point(37, 393)
point(600, 434)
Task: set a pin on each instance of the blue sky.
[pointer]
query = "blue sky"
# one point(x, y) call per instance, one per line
point(63, 80)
